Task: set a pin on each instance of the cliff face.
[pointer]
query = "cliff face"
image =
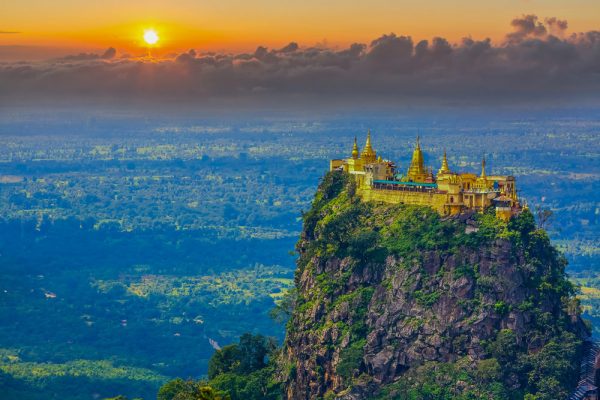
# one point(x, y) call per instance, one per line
point(394, 301)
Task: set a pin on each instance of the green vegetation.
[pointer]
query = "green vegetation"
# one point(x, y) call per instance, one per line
point(157, 236)
point(186, 315)
point(542, 363)
point(242, 371)
point(351, 358)
point(450, 381)
point(545, 371)
point(30, 380)
point(179, 389)
point(588, 284)
point(101, 370)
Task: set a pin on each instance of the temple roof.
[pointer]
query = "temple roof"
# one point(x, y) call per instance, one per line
point(368, 154)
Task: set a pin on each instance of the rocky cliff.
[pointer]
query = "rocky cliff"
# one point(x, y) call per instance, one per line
point(394, 301)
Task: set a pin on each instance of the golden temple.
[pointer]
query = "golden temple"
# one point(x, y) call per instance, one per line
point(448, 192)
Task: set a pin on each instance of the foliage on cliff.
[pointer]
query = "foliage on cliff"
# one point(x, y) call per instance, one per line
point(395, 301)
point(242, 371)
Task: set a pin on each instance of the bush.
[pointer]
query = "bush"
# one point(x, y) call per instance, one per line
point(351, 359)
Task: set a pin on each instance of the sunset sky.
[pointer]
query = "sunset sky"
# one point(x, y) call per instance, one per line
point(240, 25)
point(234, 53)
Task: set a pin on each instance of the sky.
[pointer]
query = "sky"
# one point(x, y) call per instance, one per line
point(298, 53)
point(241, 25)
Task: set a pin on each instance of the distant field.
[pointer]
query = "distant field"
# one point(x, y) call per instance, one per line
point(589, 286)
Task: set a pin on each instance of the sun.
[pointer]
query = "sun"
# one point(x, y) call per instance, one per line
point(150, 36)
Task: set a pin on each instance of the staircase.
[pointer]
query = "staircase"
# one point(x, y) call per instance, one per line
point(586, 388)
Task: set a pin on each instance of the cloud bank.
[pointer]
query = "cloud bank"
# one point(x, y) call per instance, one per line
point(539, 61)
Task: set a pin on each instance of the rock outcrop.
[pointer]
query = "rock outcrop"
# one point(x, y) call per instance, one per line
point(389, 296)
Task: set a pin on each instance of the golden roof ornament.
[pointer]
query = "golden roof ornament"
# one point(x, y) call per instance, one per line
point(444, 169)
point(355, 149)
point(368, 143)
point(416, 170)
point(368, 154)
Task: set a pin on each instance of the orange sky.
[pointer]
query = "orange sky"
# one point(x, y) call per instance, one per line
point(235, 25)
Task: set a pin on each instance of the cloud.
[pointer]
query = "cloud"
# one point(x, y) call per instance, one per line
point(108, 54)
point(556, 26)
point(290, 48)
point(539, 62)
point(527, 26)
point(390, 53)
point(8, 32)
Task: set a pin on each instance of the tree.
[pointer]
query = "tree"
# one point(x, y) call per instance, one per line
point(170, 389)
point(247, 356)
point(487, 371)
point(179, 389)
point(253, 352)
point(543, 216)
point(283, 308)
point(239, 371)
point(224, 360)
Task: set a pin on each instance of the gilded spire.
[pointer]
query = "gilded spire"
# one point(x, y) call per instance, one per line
point(444, 169)
point(355, 149)
point(483, 168)
point(368, 154)
point(416, 170)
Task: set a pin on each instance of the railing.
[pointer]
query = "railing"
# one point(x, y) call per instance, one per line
point(402, 188)
point(398, 188)
point(480, 191)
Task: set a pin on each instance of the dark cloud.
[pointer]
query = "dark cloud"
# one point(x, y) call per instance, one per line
point(9, 32)
point(290, 48)
point(186, 57)
point(390, 52)
point(538, 62)
point(526, 26)
point(556, 26)
point(109, 54)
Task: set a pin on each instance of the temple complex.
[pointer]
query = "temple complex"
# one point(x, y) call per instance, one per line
point(448, 192)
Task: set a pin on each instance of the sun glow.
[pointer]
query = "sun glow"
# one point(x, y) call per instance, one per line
point(150, 36)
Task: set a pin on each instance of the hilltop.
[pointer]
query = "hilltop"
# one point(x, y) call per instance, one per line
point(396, 301)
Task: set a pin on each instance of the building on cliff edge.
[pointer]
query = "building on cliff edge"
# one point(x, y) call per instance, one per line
point(448, 192)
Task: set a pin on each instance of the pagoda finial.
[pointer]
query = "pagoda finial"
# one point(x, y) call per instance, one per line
point(483, 167)
point(417, 171)
point(368, 154)
point(444, 169)
point(355, 149)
